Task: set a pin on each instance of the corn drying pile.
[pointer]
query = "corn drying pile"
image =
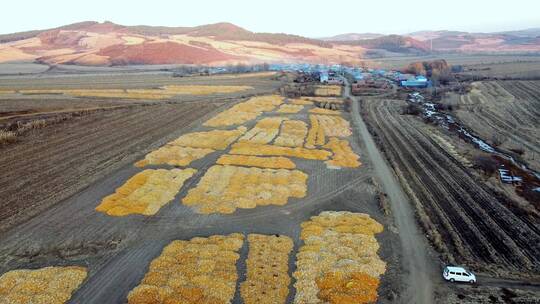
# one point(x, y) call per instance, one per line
point(173, 155)
point(343, 156)
point(334, 125)
point(256, 161)
point(301, 101)
point(264, 131)
point(49, 285)
point(328, 90)
point(202, 270)
point(323, 111)
point(146, 192)
point(267, 270)
point(323, 99)
point(338, 262)
point(215, 139)
point(204, 89)
point(290, 108)
point(316, 136)
point(223, 189)
point(271, 150)
point(292, 134)
point(245, 111)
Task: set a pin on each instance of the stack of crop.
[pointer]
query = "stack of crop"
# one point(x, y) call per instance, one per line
point(256, 161)
point(223, 189)
point(202, 270)
point(215, 139)
point(330, 90)
point(203, 89)
point(290, 108)
point(338, 262)
point(343, 156)
point(267, 269)
point(146, 192)
point(323, 111)
point(49, 285)
point(173, 155)
point(301, 101)
point(245, 111)
point(272, 150)
point(293, 133)
point(264, 131)
point(334, 125)
point(316, 136)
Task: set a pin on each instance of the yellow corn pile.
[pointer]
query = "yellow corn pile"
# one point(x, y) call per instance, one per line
point(271, 150)
point(301, 101)
point(204, 89)
point(264, 131)
point(343, 156)
point(330, 90)
point(256, 161)
point(323, 111)
point(338, 262)
point(223, 189)
point(290, 108)
point(49, 285)
point(334, 125)
point(323, 99)
point(267, 270)
point(245, 111)
point(173, 155)
point(202, 270)
point(293, 133)
point(215, 139)
point(146, 192)
point(316, 136)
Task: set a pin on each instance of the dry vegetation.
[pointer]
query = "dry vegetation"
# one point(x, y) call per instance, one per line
point(338, 262)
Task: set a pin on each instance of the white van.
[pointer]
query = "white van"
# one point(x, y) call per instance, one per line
point(458, 274)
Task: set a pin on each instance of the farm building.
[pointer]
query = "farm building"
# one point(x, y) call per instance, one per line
point(417, 82)
point(324, 77)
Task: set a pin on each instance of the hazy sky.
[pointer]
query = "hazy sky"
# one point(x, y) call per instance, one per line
point(308, 18)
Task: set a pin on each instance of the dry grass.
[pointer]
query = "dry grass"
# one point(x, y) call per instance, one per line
point(223, 189)
point(267, 270)
point(202, 270)
point(146, 192)
point(49, 285)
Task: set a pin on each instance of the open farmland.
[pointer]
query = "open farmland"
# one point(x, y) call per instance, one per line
point(163, 201)
point(464, 219)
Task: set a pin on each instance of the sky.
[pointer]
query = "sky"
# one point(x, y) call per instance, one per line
point(301, 17)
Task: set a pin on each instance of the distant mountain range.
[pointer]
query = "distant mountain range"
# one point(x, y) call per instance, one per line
point(107, 43)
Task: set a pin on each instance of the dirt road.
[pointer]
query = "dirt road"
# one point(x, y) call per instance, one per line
point(420, 271)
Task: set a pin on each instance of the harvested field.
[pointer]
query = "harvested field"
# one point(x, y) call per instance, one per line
point(223, 189)
point(338, 262)
point(62, 159)
point(202, 270)
point(506, 114)
point(49, 285)
point(465, 221)
point(267, 269)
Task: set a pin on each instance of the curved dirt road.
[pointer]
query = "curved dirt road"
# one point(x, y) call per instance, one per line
point(419, 272)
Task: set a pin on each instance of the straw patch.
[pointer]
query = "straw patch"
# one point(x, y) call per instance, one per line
point(223, 189)
point(49, 285)
point(271, 150)
point(338, 262)
point(146, 192)
point(202, 270)
point(343, 156)
point(256, 161)
point(267, 270)
point(293, 133)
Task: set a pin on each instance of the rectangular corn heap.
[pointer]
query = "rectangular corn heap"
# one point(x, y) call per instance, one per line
point(301, 101)
point(272, 150)
point(292, 134)
point(223, 189)
point(245, 111)
point(215, 139)
point(264, 131)
point(202, 270)
point(204, 89)
point(256, 161)
point(49, 285)
point(267, 269)
point(338, 262)
point(323, 99)
point(328, 90)
point(290, 108)
point(173, 155)
point(146, 192)
point(323, 111)
point(316, 136)
point(343, 156)
point(334, 125)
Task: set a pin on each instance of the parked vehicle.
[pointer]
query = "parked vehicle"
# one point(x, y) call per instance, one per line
point(458, 274)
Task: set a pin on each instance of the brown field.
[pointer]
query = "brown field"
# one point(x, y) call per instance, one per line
point(465, 220)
